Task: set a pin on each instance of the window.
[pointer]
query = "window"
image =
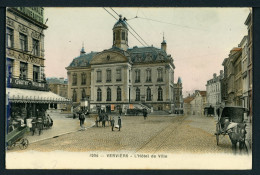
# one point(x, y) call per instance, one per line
point(118, 92)
point(36, 47)
point(99, 76)
point(118, 75)
point(99, 95)
point(137, 98)
point(9, 37)
point(108, 75)
point(83, 94)
point(148, 75)
point(114, 37)
point(36, 73)
point(148, 94)
point(23, 42)
point(126, 38)
point(23, 70)
point(123, 35)
point(74, 79)
point(160, 94)
point(9, 67)
point(118, 35)
point(137, 76)
point(160, 76)
point(74, 96)
point(108, 94)
point(83, 78)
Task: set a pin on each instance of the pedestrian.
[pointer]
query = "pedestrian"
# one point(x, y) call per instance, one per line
point(119, 122)
point(120, 111)
point(81, 119)
point(145, 113)
point(113, 123)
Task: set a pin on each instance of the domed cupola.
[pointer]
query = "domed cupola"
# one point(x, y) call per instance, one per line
point(120, 34)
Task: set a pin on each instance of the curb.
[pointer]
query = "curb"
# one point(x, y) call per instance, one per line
point(93, 124)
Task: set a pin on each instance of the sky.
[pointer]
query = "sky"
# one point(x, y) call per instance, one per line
point(198, 39)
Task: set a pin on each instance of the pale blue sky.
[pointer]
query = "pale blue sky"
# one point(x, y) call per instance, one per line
point(198, 38)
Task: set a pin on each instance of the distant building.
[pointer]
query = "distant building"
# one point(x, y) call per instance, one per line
point(213, 88)
point(58, 86)
point(198, 103)
point(178, 97)
point(187, 105)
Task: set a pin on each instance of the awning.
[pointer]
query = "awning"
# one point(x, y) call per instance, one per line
point(32, 96)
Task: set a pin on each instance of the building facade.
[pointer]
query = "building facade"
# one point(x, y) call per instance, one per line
point(249, 25)
point(178, 97)
point(213, 88)
point(27, 91)
point(198, 103)
point(187, 105)
point(123, 77)
point(58, 86)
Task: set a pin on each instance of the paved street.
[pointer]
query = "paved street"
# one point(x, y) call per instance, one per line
point(169, 134)
point(62, 124)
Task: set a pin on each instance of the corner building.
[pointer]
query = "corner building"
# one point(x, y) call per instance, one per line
point(123, 77)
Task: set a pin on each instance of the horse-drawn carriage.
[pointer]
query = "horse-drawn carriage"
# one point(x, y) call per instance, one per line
point(231, 122)
point(16, 137)
point(209, 111)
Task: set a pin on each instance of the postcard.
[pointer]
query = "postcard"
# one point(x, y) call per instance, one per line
point(129, 88)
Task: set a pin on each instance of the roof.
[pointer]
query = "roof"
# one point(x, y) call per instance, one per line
point(82, 60)
point(147, 54)
point(56, 81)
point(179, 80)
point(188, 99)
point(203, 93)
point(32, 96)
point(236, 49)
point(120, 23)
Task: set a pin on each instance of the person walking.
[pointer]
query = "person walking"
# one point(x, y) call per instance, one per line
point(113, 123)
point(120, 111)
point(119, 123)
point(145, 113)
point(82, 119)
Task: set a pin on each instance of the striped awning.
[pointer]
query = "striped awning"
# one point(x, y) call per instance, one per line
point(16, 95)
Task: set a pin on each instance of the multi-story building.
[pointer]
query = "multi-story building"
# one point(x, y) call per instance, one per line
point(123, 77)
point(232, 83)
point(213, 88)
point(249, 24)
point(58, 86)
point(187, 105)
point(27, 90)
point(245, 77)
point(178, 98)
point(198, 103)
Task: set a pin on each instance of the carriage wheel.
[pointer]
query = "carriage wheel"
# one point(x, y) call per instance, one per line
point(217, 133)
point(23, 144)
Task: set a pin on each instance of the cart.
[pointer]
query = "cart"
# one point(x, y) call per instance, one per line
point(227, 118)
point(16, 137)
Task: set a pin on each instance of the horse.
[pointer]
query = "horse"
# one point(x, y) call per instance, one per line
point(237, 135)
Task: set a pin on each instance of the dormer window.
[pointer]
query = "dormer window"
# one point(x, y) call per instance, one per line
point(123, 35)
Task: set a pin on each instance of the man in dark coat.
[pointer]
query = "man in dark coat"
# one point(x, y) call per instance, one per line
point(81, 119)
point(145, 113)
point(119, 123)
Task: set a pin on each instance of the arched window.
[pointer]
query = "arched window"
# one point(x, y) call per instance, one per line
point(118, 92)
point(83, 78)
point(99, 95)
point(160, 94)
point(83, 94)
point(74, 79)
point(108, 94)
point(148, 94)
point(137, 98)
point(160, 75)
point(148, 75)
point(74, 96)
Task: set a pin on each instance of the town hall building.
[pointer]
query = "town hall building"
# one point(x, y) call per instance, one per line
point(123, 77)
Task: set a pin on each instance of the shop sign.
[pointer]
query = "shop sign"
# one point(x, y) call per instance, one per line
point(26, 84)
